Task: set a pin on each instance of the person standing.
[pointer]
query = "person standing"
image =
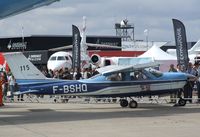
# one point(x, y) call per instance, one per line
point(180, 91)
point(172, 68)
point(172, 95)
point(197, 67)
point(12, 82)
point(188, 89)
point(4, 84)
point(178, 68)
point(1, 92)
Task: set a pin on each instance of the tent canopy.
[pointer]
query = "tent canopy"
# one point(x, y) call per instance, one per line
point(157, 54)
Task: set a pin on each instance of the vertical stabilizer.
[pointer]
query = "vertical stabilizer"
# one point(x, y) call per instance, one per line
point(194, 48)
point(21, 67)
point(84, 47)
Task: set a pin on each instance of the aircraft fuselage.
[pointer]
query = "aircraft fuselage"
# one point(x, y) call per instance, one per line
point(107, 88)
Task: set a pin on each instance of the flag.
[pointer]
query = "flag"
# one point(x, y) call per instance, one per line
point(181, 44)
point(76, 62)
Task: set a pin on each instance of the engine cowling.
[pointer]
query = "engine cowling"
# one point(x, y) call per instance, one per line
point(96, 59)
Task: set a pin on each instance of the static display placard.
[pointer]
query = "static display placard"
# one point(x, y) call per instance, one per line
point(37, 57)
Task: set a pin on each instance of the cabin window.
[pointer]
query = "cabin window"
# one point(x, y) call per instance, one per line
point(156, 73)
point(61, 58)
point(137, 75)
point(115, 77)
point(53, 58)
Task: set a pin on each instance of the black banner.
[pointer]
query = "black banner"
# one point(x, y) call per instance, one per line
point(181, 44)
point(76, 38)
point(37, 57)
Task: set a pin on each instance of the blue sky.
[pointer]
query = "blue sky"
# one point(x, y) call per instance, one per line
point(154, 15)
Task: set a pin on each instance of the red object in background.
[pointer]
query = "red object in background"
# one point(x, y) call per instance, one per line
point(3, 63)
point(117, 53)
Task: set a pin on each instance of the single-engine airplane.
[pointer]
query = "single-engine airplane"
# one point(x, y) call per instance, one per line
point(113, 81)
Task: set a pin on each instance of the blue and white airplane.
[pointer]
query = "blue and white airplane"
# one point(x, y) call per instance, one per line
point(14, 7)
point(113, 81)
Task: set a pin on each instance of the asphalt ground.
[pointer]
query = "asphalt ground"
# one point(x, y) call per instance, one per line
point(98, 120)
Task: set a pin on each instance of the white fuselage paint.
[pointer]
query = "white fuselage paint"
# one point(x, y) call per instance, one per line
point(82, 89)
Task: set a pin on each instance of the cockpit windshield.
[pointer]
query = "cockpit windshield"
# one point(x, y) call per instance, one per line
point(61, 58)
point(53, 58)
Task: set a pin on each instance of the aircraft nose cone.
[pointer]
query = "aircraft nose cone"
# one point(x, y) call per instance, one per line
point(52, 66)
point(191, 77)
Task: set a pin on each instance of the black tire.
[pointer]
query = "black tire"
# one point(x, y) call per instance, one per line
point(133, 104)
point(182, 102)
point(55, 100)
point(123, 103)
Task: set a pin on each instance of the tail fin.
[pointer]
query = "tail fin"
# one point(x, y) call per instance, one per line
point(195, 47)
point(21, 67)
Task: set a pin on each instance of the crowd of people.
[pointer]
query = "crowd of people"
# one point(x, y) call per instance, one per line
point(187, 92)
point(68, 74)
point(9, 85)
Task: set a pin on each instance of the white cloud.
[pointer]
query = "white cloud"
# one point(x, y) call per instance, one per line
point(59, 11)
point(155, 15)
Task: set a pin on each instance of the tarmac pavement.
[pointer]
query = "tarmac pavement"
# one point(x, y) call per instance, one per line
point(98, 120)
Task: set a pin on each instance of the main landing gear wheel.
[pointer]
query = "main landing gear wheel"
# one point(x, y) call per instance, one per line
point(133, 104)
point(182, 102)
point(123, 103)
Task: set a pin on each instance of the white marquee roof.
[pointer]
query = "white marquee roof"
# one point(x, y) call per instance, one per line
point(157, 54)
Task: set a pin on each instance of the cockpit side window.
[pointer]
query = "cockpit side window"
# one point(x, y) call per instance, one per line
point(61, 58)
point(138, 75)
point(53, 58)
point(115, 77)
point(66, 58)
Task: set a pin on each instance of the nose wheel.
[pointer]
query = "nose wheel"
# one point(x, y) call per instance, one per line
point(182, 102)
point(131, 104)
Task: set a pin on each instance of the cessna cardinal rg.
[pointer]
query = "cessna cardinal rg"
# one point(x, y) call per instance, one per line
point(113, 81)
point(14, 7)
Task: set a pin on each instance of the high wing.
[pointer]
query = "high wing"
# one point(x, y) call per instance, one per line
point(107, 70)
point(14, 7)
point(96, 46)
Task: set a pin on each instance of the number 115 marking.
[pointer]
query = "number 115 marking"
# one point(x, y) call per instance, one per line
point(24, 68)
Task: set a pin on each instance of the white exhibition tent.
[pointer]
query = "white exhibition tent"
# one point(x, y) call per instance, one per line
point(161, 56)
